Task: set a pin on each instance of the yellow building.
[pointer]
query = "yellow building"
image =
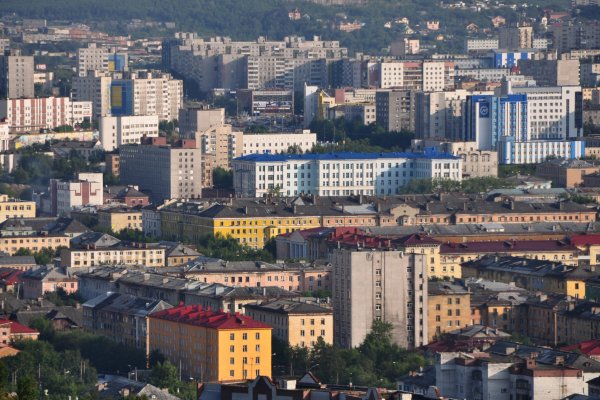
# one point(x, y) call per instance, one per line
point(251, 223)
point(211, 345)
point(14, 208)
point(297, 323)
point(423, 244)
point(11, 244)
point(530, 274)
point(118, 219)
point(448, 308)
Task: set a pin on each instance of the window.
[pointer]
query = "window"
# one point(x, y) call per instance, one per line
point(244, 348)
point(231, 361)
point(257, 335)
point(257, 360)
point(302, 333)
point(231, 373)
point(232, 336)
point(244, 336)
point(232, 349)
point(245, 360)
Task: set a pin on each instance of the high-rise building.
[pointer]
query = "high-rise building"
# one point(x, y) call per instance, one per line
point(118, 131)
point(375, 285)
point(94, 87)
point(33, 114)
point(164, 171)
point(516, 37)
point(16, 75)
point(199, 119)
point(101, 59)
point(552, 71)
point(395, 110)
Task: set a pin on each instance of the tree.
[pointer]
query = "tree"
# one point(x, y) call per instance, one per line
point(27, 388)
point(164, 375)
point(222, 178)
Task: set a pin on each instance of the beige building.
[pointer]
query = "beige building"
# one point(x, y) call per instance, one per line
point(448, 308)
point(118, 131)
point(118, 219)
point(33, 114)
point(552, 71)
point(516, 37)
point(91, 58)
point(371, 285)
point(121, 254)
point(164, 171)
point(16, 75)
point(297, 323)
point(94, 87)
point(476, 163)
point(566, 173)
point(13, 208)
point(275, 143)
point(199, 118)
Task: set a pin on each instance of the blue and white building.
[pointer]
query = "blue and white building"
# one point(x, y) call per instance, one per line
point(527, 124)
point(339, 174)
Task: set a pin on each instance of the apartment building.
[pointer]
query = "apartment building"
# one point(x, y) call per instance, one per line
point(296, 323)
point(200, 118)
point(337, 174)
point(566, 173)
point(121, 318)
point(371, 285)
point(395, 110)
point(212, 345)
point(94, 87)
point(575, 35)
point(102, 59)
point(33, 114)
point(39, 281)
point(277, 143)
point(551, 71)
point(119, 131)
point(515, 37)
point(11, 331)
point(164, 171)
point(121, 218)
point(65, 196)
point(427, 75)
point(476, 163)
point(14, 208)
point(16, 75)
point(147, 93)
point(483, 44)
point(448, 308)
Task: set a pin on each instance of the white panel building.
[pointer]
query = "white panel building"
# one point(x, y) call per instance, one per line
point(118, 131)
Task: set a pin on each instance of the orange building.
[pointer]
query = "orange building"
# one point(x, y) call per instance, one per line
point(11, 331)
point(212, 345)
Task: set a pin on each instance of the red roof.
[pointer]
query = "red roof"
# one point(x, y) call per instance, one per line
point(506, 246)
point(589, 348)
point(585, 240)
point(10, 276)
point(16, 328)
point(196, 315)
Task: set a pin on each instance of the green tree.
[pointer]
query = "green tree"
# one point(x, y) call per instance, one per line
point(164, 375)
point(222, 178)
point(27, 388)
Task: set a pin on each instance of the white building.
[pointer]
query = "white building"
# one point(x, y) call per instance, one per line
point(482, 44)
point(4, 136)
point(118, 131)
point(276, 143)
point(91, 58)
point(86, 190)
point(29, 115)
point(338, 174)
point(538, 151)
point(94, 87)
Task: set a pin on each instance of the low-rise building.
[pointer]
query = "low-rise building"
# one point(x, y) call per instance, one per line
point(297, 323)
point(11, 331)
point(18, 263)
point(118, 131)
point(86, 190)
point(83, 148)
point(127, 195)
point(121, 218)
point(13, 208)
point(448, 308)
point(566, 173)
point(276, 143)
point(47, 279)
point(121, 317)
point(177, 254)
point(212, 345)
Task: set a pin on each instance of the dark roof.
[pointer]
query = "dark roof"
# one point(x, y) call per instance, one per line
point(506, 246)
point(526, 266)
point(290, 307)
point(17, 260)
point(445, 287)
point(124, 303)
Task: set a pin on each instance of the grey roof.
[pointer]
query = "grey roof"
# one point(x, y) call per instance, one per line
point(479, 331)
point(176, 249)
point(95, 239)
point(285, 306)
point(17, 260)
point(25, 316)
point(45, 272)
point(219, 291)
point(111, 387)
point(127, 304)
point(204, 264)
point(445, 287)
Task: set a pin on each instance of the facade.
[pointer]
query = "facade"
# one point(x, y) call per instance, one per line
point(212, 345)
point(117, 254)
point(337, 174)
point(118, 219)
point(102, 59)
point(448, 308)
point(564, 173)
point(119, 131)
point(165, 172)
point(45, 279)
point(388, 286)
point(67, 195)
point(276, 143)
point(515, 37)
point(16, 75)
point(552, 72)
point(121, 318)
point(475, 163)
point(13, 208)
point(94, 87)
point(33, 114)
point(11, 331)
point(199, 119)
point(297, 323)
point(395, 110)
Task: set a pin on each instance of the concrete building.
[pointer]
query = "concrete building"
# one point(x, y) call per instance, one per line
point(33, 114)
point(448, 308)
point(199, 119)
point(118, 219)
point(235, 347)
point(47, 279)
point(86, 190)
point(564, 173)
point(272, 102)
point(515, 37)
point(101, 59)
point(365, 112)
point(427, 75)
point(475, 163)
point(338, 174)
point(166, 172)
point(94, 87)
point(277, 143)
point(13, 208)
point(395, 110)
point(552, 71)
point(575, 35)
point(387, 286)
point(122, 318)
point(297, 323)
point(482, 44)
point(16, 75)
point(118, 131)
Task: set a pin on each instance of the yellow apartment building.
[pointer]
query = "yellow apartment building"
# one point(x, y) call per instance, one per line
point(145, 254)
point(448, 308)
point(423, 244)
point(14, 208)
point(211, 345)
point(297, 323)
point(118, 219)
point(11, 244)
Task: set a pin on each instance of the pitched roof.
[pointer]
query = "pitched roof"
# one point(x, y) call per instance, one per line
point(196, 315)
point(16, 328)
point(589, 348)
point(585, 240)
point(500, 246)
point(290, 307)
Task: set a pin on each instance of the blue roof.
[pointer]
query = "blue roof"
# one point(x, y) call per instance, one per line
point(344, 156)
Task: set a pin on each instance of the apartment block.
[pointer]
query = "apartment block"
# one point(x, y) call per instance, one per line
point(395, 110)
point(212, 345)
point(193, 119)
point(94, 87)
point(102, 59)
point(552, 72)
point(388, 286)
point(164, 171)
point(338, 174)
point(448, 308)
point(428, 75)
point(47, 279)
point(121, 218)
point(33, 114)
point(576, 35)
point(515, 37)
point(566, 173)
point(16, 75)
point(13, 208)
point(122, 318)
point(297, 323)
point(277, 143)
point(86, 190)
point(119, 131)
